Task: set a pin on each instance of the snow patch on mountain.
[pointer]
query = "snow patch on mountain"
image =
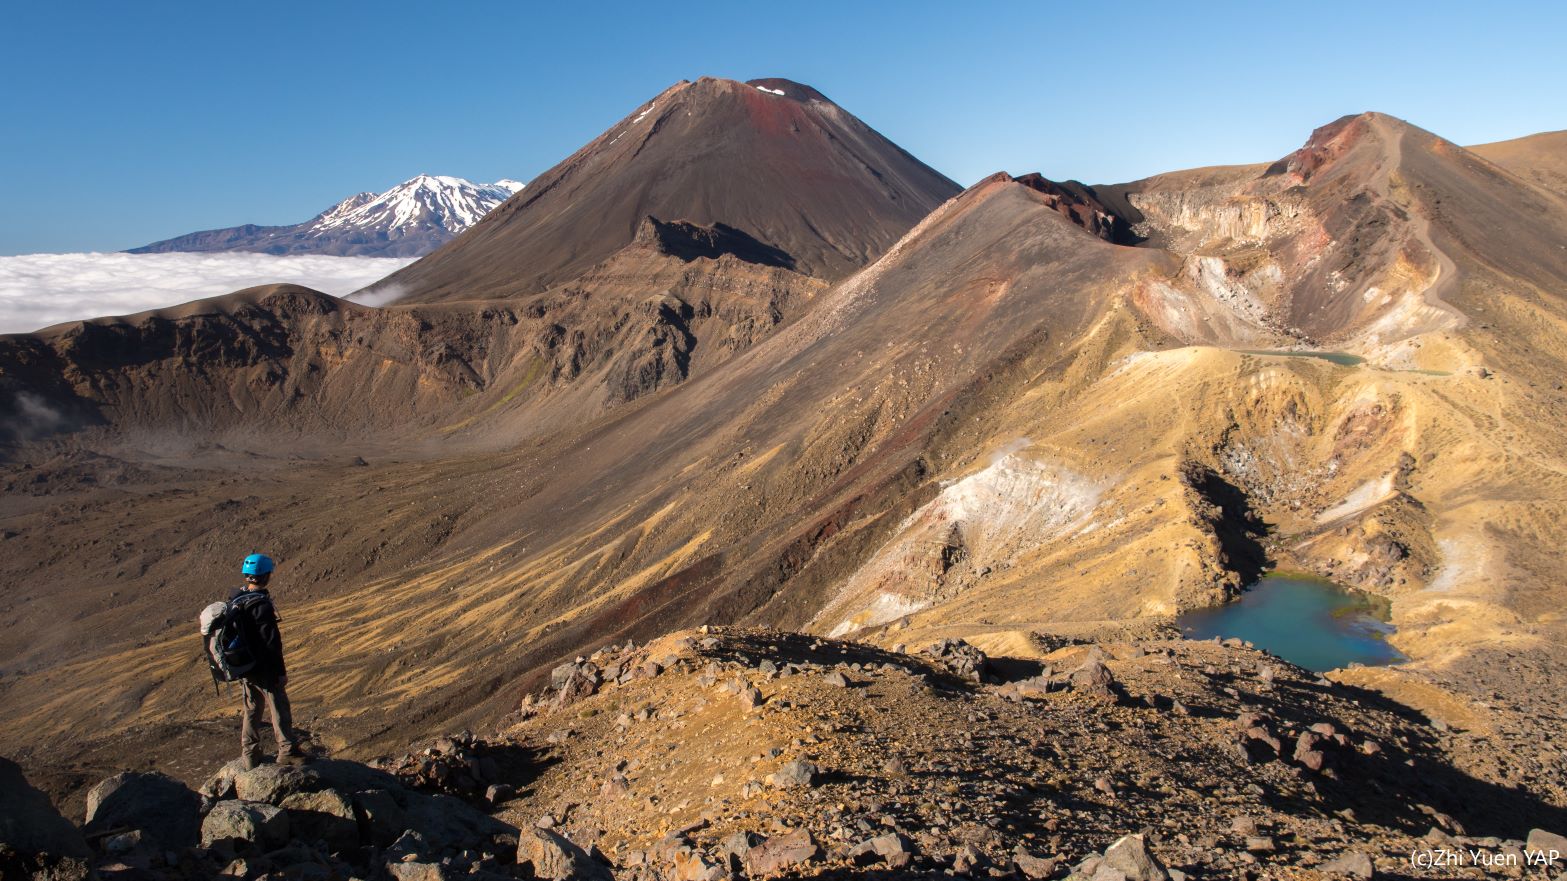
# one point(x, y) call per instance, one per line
point(448, 203)
point(409, 220)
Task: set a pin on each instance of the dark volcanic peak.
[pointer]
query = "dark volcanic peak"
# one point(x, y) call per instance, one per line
point(793, 170)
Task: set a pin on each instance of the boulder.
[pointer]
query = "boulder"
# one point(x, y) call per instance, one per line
point(1355, 864)
point(577, 682)
point(561, 674)
point(270, 783)
point(220, 786)
point(124, 844)
point(445, 821)
point(325, 815)
point(409, 846)
point(298, 858)
point(1129, 855)
point(793, 774)
point(968, 861)
point(383, 815)
point(1033, 867)
point(1094, 678)
point(890, 849)
point(1542, 841)
point(255, 824)
point(962, 659)
point(241, 868)
point(551, 856)
point(37, 841)
point(836, 679)
point(693, 865)
point(418, 871)
point(166, 812)
point(1307, 753)
point(1260, 844)
point(734, 849)
point(1033, 687)
point(781, 852)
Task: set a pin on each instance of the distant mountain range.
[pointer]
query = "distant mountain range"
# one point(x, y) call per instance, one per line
point(409, 220)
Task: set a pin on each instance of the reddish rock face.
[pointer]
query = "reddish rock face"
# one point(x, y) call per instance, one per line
point(1325, 145)
point(1079, 204)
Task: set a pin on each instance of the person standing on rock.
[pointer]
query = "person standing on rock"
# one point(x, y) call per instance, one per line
point(265, 685)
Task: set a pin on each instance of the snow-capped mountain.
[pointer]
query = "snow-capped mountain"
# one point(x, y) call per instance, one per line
point(409, 220)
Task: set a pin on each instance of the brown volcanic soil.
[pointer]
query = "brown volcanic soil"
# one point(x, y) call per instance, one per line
point(679, 759)
point(1539, 159)
point(1004, 426)
point(794, 171)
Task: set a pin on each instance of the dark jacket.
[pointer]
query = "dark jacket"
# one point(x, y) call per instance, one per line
point(261, 633)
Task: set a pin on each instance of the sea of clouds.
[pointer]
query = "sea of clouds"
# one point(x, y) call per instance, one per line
point(38, 290)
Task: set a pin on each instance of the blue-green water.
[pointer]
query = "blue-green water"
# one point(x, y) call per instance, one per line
point(1343, 359)
point(1313, 623)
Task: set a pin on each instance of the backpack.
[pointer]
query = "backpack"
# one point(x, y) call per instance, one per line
point(225, 638)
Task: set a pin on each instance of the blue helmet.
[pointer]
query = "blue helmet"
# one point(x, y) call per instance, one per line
point(257, 564)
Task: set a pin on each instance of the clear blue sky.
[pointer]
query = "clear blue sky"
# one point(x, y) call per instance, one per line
point(124, 123)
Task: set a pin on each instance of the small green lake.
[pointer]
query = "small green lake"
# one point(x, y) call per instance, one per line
point(1343, 359)
point(1305, 621)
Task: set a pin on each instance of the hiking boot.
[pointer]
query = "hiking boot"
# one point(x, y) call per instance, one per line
point(292, 757)
point(249, 761)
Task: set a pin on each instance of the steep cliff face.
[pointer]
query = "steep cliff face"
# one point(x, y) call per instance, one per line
point(1329, 246)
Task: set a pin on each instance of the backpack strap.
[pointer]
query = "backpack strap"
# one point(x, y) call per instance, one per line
point(247, 600)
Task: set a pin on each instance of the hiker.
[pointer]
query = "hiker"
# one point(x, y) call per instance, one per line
point(264, 685)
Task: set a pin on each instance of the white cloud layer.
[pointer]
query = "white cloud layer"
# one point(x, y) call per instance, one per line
point(37, 290)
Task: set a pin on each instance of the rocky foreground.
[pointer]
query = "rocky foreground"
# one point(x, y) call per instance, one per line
point(731, 753)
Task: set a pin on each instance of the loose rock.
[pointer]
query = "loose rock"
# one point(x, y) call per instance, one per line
point(781, 852)
point(1355, 864)
point(1129, 855)
point(245, 823)
point(554, 857)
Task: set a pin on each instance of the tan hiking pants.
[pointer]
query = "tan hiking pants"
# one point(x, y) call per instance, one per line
point(270, 696)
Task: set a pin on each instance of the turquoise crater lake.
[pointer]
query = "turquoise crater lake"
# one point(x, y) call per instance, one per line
point(1315, 624)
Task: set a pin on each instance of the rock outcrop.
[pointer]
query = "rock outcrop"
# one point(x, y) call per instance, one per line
point(35, 841)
